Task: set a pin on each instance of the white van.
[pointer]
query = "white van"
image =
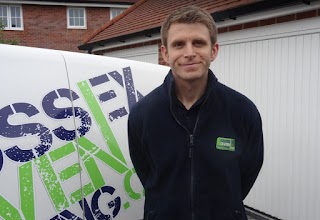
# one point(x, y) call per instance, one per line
point(63, 137)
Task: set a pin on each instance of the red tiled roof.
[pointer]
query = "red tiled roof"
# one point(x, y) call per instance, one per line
point(148, 14)
point(87, 1)
point(124, 1)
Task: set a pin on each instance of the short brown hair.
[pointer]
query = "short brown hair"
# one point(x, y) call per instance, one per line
point(189, 15)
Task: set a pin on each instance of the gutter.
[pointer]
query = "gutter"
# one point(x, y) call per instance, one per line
point(271, 13)
point(101, 5)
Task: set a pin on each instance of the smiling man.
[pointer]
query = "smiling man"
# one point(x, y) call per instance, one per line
point(196, 144)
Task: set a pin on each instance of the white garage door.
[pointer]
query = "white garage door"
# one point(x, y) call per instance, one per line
point(145, 54)
point(278, 67)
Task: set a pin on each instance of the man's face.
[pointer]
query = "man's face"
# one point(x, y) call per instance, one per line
point(189, 51)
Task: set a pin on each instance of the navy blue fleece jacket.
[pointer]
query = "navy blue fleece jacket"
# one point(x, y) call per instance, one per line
point(203, 175)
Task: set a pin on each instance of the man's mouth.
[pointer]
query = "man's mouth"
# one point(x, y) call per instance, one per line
point(189, 64)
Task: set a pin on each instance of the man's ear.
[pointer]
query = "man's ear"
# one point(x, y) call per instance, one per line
point(165, 54)
point(214, 52)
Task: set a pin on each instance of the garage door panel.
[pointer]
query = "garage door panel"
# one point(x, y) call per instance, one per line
point(147, 54)
point(281, 74)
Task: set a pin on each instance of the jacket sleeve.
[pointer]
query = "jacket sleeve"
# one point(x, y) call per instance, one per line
point(252, 157)
point(137, 153)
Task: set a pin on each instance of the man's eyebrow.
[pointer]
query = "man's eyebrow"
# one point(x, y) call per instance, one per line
point(177, 41)
point(199, 39)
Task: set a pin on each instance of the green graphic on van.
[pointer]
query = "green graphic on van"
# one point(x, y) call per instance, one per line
point(225, 144)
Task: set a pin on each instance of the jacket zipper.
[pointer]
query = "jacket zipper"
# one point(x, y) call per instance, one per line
point(191, 144)
point(191, 149)
point(191, 175)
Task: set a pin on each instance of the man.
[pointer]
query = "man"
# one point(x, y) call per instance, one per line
point(196, 145)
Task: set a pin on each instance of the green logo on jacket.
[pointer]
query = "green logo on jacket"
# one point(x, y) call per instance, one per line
point(225, 144)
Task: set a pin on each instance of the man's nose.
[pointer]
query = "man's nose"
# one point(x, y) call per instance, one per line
point(189, 51)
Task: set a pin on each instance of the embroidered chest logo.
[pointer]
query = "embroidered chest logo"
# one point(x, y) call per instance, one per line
point(225, 144)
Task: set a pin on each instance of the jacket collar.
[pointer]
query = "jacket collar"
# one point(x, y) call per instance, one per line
point(212, 79)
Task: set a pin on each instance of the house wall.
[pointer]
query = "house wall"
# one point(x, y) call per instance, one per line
point(46, 27)
point(270, 21)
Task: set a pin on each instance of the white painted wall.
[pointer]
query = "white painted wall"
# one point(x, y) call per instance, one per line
point(145, 54)
point(278, 68)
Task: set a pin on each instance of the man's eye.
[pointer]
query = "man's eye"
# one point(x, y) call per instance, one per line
point(178, 44)
point(199, 43)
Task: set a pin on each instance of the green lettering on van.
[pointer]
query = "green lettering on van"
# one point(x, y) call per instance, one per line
point(51, 183)
point(92, 169)
point(127, 186)
point(101, 120)
point(61, 152)
point(87, 148)
point(8, 211)
point(86, 190)
point(70, 172)
point(26, 190)
point(106, 158)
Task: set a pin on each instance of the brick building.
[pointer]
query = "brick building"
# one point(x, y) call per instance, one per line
point(56, 24)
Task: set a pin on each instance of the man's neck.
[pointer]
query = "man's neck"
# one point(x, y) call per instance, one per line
point(189, 92)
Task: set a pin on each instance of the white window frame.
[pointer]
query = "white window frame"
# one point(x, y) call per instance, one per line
point(114, 12)
point(9, 17)
point(84, 26)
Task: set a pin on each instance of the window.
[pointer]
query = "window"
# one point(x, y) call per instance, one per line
point(77, 18)
point(114, 12)
point(11, 17)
